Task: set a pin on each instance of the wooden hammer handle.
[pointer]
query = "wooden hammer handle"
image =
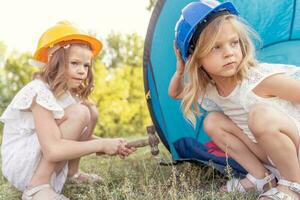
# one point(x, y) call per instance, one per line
point(138, 143)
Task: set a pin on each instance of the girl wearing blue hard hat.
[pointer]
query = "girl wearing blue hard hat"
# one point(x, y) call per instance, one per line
point(253, 116)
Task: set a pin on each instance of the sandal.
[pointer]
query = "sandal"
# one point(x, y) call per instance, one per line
point(274, 171)
point(234, 184)
point(81, 177)
point(34, 193)
point(276, 194)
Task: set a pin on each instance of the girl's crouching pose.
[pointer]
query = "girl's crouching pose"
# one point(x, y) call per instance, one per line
point(254, 107)
point(48, 125)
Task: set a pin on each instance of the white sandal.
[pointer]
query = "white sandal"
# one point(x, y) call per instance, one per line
point(234, 184)
point(82, 177)
point(29, 194)
point(276, 194)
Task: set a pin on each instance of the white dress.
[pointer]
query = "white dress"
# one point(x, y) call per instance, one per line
point(20, 148)
point(238, 103)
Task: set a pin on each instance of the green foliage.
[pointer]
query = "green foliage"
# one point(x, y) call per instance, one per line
point(120, 99)
point(119, 92)
point(126, 49)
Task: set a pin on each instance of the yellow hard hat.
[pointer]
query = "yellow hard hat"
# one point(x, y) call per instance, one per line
point(62, 32)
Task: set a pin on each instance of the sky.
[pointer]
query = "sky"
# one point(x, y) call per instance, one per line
point(23, 21)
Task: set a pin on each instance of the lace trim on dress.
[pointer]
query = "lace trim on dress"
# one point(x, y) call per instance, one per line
point(256, 76)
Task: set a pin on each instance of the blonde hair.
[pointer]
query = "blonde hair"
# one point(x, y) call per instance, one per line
point(197, 79)
point(54, 73)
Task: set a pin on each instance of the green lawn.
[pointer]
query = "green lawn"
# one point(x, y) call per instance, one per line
point(141, 177)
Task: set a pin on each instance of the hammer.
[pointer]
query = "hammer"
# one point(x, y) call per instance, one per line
point(152, 141)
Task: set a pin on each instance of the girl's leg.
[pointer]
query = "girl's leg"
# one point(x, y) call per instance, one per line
point(86, 135)
point(76, 118)
point(278, 136)
point(230, 138)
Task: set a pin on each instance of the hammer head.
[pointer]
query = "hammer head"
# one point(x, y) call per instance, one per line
point(153, 140)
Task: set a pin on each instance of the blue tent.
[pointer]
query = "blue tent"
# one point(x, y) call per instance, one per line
point(278, 24)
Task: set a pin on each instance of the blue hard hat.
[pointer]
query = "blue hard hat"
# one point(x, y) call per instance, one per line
point(193, 15)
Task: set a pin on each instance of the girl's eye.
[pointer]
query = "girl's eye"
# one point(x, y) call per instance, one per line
point(215, 48)
point(235, 43)
point(74, 63)
point(87, 65)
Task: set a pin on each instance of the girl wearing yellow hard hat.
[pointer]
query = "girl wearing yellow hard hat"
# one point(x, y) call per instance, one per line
point(47, 127)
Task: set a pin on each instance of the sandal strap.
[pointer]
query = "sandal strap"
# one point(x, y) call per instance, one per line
point(294, 186)
point(276, 194)
point(235, 185)
point(274, 171)
point(260, 183)
point(35, 189)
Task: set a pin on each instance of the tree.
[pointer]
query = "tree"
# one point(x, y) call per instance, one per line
point(122, 50)
point(119, 92)
point(120, 99)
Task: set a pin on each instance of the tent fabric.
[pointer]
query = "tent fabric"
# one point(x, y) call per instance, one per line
point(190, 148)
point(276, 22)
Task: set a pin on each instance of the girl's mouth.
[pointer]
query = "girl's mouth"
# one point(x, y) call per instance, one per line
point(230, 64)
point(78, 79)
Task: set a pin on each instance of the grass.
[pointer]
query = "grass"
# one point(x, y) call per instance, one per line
point(141, 177)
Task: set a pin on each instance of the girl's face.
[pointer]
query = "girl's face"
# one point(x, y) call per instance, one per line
point(225, 56)
point(79, 63)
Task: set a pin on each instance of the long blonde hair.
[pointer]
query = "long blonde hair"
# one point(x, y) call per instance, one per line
point(197, 79)
point(55, 71)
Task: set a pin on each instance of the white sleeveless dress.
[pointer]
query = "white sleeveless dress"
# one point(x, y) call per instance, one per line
point(238, 103)
point(20, 148)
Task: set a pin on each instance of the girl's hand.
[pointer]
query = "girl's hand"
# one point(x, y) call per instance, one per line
point(180, 63)
point(111, 145)
point(125, 151)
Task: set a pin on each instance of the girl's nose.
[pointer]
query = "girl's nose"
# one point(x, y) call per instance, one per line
point(80, 69)
point(228, 51)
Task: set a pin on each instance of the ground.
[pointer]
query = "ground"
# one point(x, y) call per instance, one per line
point(141, 177)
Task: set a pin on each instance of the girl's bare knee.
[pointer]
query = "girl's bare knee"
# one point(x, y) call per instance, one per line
point(78, 113)
point(262, 119)
point(212, 122)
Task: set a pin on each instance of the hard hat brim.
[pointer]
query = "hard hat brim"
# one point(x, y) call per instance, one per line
point(95, 44)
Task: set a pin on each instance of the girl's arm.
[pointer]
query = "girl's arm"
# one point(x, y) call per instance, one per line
point(55, 148)
point(176, 86)
point(280, 85)
point(176, 83)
